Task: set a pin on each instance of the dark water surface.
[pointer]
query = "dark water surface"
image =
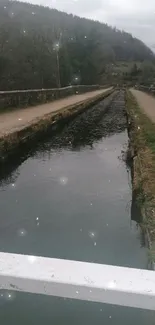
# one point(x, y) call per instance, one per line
point(72, 199)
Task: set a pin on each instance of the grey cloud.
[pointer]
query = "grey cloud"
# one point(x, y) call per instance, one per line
point(79, 6)
point(72, 6)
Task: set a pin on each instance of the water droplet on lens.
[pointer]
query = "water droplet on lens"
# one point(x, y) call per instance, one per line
point(92, 234)
point(10, 296)
point(112, 285)
point(63, 180)
point(32, 259)
point(22, 232)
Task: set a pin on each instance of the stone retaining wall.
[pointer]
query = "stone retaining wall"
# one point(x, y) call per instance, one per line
point(150, 90)
point(26, 98)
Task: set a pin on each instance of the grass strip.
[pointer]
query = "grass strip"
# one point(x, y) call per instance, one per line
point(142, 152)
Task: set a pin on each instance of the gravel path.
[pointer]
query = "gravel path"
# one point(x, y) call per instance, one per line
point(18, 119)
point(146, 102)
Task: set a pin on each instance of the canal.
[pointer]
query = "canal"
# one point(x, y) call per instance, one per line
point(71, 198)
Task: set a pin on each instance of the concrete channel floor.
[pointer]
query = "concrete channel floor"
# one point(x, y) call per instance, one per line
point(20, 118)
point(146, 102)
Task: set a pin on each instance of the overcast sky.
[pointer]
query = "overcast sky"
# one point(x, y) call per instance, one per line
point(134, 16)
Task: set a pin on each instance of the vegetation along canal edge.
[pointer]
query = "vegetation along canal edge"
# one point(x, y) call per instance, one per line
point(141, 155)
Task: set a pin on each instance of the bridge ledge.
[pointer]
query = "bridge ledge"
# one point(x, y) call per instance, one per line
point(78, 280)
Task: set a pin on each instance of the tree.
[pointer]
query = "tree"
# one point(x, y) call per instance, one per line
point(87, 48)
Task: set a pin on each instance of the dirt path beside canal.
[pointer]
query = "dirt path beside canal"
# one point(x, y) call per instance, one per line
point(21, 118)
point(146, 102)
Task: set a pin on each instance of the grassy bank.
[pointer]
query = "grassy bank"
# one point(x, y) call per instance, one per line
point(142, 153)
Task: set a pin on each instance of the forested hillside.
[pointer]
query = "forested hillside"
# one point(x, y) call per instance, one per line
point(34, 40)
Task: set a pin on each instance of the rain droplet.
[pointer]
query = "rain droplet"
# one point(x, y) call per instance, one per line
point(37, 218)
point(107, 225)
point(95, 244)
point(77, 292)
point(20, 119)
point(110, 317)
point(91, 203)
point(13, 185)
point(81, 230)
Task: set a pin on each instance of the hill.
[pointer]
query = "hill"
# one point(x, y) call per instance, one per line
point(34, 39)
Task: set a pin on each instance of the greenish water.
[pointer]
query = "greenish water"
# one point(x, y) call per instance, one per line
point(72, 202)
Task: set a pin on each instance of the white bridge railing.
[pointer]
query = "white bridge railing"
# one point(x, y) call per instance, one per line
point(78, 280)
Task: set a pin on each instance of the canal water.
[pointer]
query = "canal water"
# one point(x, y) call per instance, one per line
point(71, 199)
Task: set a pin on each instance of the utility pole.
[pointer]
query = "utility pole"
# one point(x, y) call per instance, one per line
point(58, 66)
point(56, 48)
